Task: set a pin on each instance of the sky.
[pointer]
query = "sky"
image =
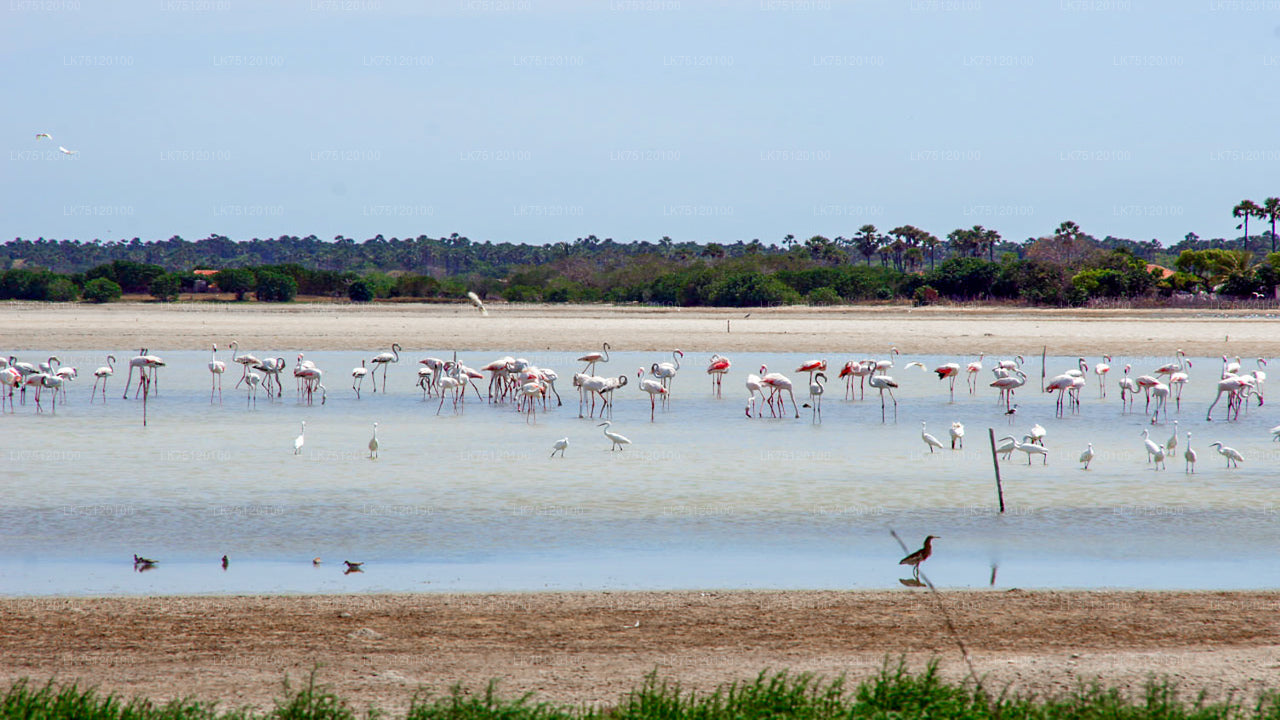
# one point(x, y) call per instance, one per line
point(537, 121)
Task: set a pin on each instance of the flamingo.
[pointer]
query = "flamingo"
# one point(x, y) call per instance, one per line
point(1008, 384)
point(930, 441)
point(594, 357)
point(1232, 455)
point(382, 359)
point(299, 441)
point(949, 370)
point(1060, 384)
point(1189, 455)
point(103, 373)
point(653, 387)
point(815, 391)
point(529, 393)
point(357, 378)
point(1172, 443)
point(216, 369)
point(373, 443)
point(919, 556)
point(957, 435)
point(560, 446)
point(244, 360)
point(1231, 386)
point(883, 366)
point(1128, 388)
point(884, 383)
point(717, 368)
point(1160, 392)
point(1275, 433)
point(1086, 457)
point(1101, 370)
point(43, 136)
point(1153, 448)
point(666, 371)
point(859, 369)
point(450, 383)
point(271, 369)
point(972, 370)
point(1175, 366)
point(755, 385)
point(1177, 381)
point(251, 382)
point(811, 367)
point(777, 382)
point(618, 440)
point(146, 364)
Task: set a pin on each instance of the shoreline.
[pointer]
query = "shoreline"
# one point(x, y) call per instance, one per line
point(591, 647)
point(862, 330)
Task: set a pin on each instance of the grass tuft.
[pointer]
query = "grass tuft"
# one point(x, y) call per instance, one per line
point(893, 693)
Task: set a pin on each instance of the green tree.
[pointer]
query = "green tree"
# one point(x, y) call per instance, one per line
point(274, 286)
point(235, 280)
point(867, 240)
point(61, 289)
point(1271, 210)
point(165, 288)
point(1247, 209)
point(102, 290)
point(360, 291)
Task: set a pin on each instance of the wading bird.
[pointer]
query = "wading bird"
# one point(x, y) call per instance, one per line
point(216, 369)
point(1190, 456)
point(560, 446)
point(103, 373)
point(383, 359)
point(930, 441)
point(919, 556)
point(1233, 456)
point(618, 440)
point(1086, 457)
point(300, 440)
point(373, 443)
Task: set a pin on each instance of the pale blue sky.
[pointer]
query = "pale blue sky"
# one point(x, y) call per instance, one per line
point(535, 121)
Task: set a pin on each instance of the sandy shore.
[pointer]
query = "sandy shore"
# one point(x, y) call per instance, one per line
point(121, 327)
point(588, 647)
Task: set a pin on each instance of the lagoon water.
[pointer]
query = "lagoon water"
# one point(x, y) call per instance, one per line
point(704, 497)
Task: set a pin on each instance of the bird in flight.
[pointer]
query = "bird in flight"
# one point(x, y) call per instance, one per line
point(66, 151)
point(43, 136)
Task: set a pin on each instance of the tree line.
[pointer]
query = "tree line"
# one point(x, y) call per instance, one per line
point(1065, 267)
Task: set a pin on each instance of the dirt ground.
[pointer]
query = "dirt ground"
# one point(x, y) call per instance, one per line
point(593, 647)
point(864, 330)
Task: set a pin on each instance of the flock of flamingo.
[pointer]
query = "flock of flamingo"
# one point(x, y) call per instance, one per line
point(528, 387)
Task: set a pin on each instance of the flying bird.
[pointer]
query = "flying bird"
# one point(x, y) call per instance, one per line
point(43, 136)
point(66, 151)
point(475, 300)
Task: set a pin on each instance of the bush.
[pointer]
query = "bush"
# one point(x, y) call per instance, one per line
point(276, 287)
point(884, 292)
point(824, 296)
point(751, 290)
point(102, 290)
point(924, 295)
point(235, 280)
point(360, 291)
point(61, 289)
point(165, 288)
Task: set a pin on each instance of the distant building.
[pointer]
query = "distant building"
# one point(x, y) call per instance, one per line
point(204, 281)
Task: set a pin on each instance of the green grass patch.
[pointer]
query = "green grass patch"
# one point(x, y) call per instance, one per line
point(893, 693)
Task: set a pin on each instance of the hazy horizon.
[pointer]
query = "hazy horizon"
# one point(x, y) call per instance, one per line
point(536, 122)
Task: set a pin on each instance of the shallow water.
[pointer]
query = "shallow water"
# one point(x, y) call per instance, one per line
point(704, 497)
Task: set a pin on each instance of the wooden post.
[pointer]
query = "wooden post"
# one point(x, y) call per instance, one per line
point(995, 460)
point(1043, 352)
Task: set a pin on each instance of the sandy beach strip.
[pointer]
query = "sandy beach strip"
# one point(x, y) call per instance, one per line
point(592, 647)
point(861, 330)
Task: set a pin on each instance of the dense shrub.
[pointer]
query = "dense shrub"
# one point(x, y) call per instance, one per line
point(275, 287)
point(824, 296)
point(360, 291)
point(235, 280)
point(102, 290)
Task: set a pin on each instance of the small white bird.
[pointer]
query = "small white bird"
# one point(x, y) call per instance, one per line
point(1232, 455)
point(1086, 457)
point(302, 438)
point(1190, 456)
point(618, 440)
point(373, 443)
point(1007, 445)
point(66, 151)
point(1037, 434)
point(43, 136)
point(559, 446)
point(1172, 443)
point(475, 300)
point(957, 435)
point(1030, 448)
point(1158, 456)
point(929, 440)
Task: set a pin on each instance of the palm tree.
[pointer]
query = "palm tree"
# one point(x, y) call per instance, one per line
point(1067, 234)
point(1246, 209)
point(868, 241)
point(930, 242)
point(1271, 207)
